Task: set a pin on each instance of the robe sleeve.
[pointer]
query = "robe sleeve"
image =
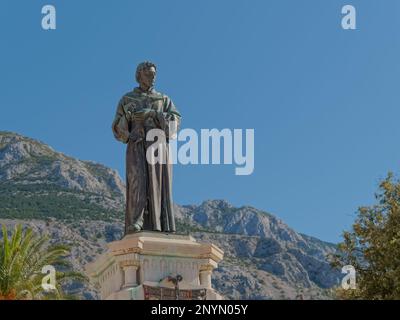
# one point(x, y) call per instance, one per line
point(120, 126)
point(173, 119)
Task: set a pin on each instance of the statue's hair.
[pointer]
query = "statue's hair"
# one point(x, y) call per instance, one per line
point(142, 66)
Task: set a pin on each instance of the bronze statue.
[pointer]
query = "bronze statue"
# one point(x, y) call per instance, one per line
point(148, 186)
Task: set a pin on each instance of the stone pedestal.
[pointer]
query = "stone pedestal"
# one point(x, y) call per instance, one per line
point(142, 265)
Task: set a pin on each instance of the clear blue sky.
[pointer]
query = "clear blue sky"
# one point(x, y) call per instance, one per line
point(324, 102)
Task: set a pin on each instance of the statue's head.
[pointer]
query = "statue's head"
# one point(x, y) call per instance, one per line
point(146, 74)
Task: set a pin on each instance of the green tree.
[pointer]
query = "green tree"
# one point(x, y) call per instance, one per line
point(372, 247)
point(22, 257)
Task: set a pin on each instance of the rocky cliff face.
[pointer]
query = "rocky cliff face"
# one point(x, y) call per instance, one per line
point(81, 203)
point(37, 182)
point(26, 161)
point(261, 245)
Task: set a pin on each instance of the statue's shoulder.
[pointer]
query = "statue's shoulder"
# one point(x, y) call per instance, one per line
point(131, 95)
point(129, 98)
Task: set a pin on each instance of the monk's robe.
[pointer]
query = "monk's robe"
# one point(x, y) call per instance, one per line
point(148, 186)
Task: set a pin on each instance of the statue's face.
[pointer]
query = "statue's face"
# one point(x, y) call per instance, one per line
point(147, 77)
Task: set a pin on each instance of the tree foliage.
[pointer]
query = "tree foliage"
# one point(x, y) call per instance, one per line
point(372, 247)
point(22, 257)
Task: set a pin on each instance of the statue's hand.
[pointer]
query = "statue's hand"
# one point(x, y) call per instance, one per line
point(130, 110)
point(129, 115)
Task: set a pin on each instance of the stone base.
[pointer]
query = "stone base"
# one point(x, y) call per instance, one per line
point(144, 265)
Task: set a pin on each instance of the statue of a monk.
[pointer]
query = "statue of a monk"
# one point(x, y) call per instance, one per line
point(148, 186)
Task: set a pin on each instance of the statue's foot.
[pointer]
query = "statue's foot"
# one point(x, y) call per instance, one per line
point(134, 228)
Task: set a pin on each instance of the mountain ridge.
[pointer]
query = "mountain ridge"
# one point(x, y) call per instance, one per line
point(40, 186)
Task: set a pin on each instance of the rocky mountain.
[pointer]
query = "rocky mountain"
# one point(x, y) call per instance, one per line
point(38, 182)
point(81, 203)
